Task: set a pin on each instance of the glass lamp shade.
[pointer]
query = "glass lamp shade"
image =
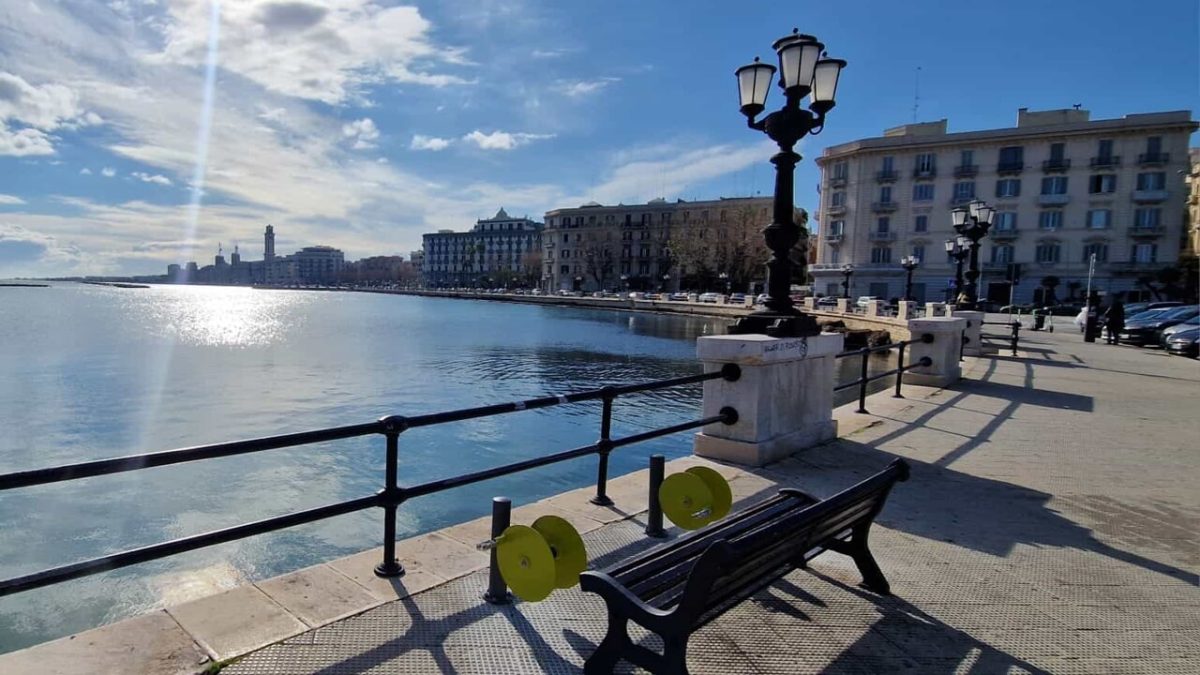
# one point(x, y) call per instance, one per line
point(950, 244)
point(974, 207)
point(963, 242)
point(754, 81)
point(959, 217)
point(798, 55)
point(985, 214)
point(825, 81)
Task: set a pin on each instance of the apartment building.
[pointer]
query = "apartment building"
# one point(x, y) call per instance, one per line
point(1065, 187)
point(594, 247)
point(497, 251)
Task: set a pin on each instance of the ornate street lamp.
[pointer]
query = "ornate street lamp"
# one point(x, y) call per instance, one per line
point(909, 264)
point(724, 276)
point(666, 281)
point(847, 271)
point(958, 250)
point(804, 71)
point(625, 281)
point(973, 222)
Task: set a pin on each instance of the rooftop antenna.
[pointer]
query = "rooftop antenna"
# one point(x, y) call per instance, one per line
point(1077, 106)
point(916, 93)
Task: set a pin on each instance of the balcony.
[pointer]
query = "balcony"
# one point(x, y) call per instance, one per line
point(1153, 158)
point(925, 173)
point(1109, 162)
point(1053, 200)
point(1055, 165)
point(960, 200)
point(1010, 167)
point(1136, 267)
point(837, 182)
point(876, 235)
point(834, 239)
point(1147, 231)
point(994, 266)
point(1148, 196)
point(836, 209)
point(883, 207)
point(885, 176)
point(966, 170)
point(1003, 235)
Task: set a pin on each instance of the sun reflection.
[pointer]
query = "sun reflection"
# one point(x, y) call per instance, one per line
point(226, 317)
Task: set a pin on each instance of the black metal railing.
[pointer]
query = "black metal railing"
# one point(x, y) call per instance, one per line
point(390, 498)
point(1013, 338)
point(865, 378)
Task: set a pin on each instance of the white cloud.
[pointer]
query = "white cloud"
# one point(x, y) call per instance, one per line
point(502, 140)
point(10, 199)
point(108, 172)
point(325, 52)
point(549, 53)
point(85, 171)
point(158, 179)
point(364, 132)
point(586, 87)
point(38, 110)
point(420, 142)
point(24, 142)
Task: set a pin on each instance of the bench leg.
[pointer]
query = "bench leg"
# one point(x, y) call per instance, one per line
point(675, 655)
point(873, 577)
point(610, 650)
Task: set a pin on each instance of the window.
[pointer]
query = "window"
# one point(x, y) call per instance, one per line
point(644, 268)
point(878, 289)
point(628, 218)
point(1147, 217)
point(1155, 180)
point(1050, 220)
point(881, 254)
point(722, 215)
point(918, 252)
point(888, 164)
point(1006, 221)
point(1099, 219)
point(1103, 183)
point(926, 163)
point(921, 223)
point(837, 227)
point(885, 194)
point(1054, 185)
point(565, 269)
point(833, 289)
point(1012, 157)
point(966, 158)
point(1098, 249)
point(1104, 152)
point(1008, 187)
point(1002, 253)
point(1048, 252)
point(840, 170)
point(1153, 145)
point(837, 199)
point(1056, 152)
point(1144, 253)
point(922, 192)
point(964, 191)
point(833, 256)
point(566, 238)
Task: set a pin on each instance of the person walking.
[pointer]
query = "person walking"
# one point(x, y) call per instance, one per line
point(1114, 321)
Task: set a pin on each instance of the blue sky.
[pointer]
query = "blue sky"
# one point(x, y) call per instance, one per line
point(362, 124)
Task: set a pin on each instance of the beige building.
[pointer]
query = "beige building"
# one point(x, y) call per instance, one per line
point(1192, 236)
point(594, 247)
point(1064, 187)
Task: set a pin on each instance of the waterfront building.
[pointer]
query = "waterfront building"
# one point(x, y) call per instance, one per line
point(498, 251)
point(1064, 187)
point(593, 247)
point(417, 259)
point(1192, 217)
point(310, 265)
point(318, 264)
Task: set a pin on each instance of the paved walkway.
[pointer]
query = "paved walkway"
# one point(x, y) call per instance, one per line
point(1050, 526)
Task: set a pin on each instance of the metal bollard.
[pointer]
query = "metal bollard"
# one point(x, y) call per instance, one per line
point(862, 383)
point(900, 371)
point(605, 445)
point(654, 517)
point(1016, 333)
point(497, 590)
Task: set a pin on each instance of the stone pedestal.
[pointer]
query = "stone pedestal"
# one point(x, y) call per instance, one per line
point(810, 303)
point(784, 397)
point(904, 310)
point(875, 308)
point(943, 351)
point(974, 331)
point(933, 309)
point(843, 305)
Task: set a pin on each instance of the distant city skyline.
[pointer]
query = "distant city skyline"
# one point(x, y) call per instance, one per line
point(112, 162)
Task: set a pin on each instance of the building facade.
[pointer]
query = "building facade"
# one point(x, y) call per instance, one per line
point(1192, 236)
point(500, 251)
point(595, 247)
point(311, 265)
point(1064, 187)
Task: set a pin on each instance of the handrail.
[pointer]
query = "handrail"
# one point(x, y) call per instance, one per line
point(1013, 338)
point(389, 498)
point(863, 379)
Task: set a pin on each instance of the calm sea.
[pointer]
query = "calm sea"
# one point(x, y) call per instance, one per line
point(90, 372)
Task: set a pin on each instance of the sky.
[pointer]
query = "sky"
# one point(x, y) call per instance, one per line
point(137, 133)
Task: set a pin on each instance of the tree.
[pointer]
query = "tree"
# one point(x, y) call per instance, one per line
point(598, 257)
point(531, 267)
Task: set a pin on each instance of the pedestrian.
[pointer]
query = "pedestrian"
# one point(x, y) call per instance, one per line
point(1114, 321)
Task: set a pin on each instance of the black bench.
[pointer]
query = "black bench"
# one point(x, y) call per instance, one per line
point(676, 588)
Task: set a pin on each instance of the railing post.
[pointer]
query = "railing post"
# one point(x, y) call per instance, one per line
point(654, 517)
point(1016, 332)
point(962, 344)
point(862, 383)
point(497, 590)
point(390, 567)
point(605, 447)
point(900, 372)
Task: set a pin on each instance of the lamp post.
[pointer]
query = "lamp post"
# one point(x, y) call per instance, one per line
point(847, 271)
point(625, 281)
point(958, 250)
point(804, 71)
point(973, 222)
point(666, 279)
point(909, 264)
point(724, 276)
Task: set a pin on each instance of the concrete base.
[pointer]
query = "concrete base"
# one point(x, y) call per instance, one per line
point(761, 454)
point(974, 331)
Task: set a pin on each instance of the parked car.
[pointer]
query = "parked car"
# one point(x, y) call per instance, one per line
point(1146, 331)
point(1185, 342)
point(827, 301)
point(865, 300)
point(710, 297)
point(1166, 333)
point(737, 299)
point(1138, 307)
point(761, 299)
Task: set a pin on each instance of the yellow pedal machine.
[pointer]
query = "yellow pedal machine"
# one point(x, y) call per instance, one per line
point(535, 560)
point(696, 497)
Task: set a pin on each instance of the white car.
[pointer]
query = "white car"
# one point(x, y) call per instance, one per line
point(710, 297)
point(865, 300)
